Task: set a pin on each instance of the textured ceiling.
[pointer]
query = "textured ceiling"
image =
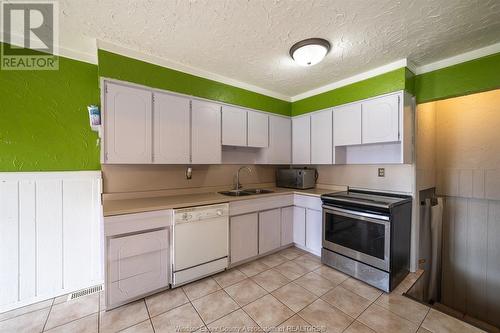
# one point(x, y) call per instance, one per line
point(248, 40)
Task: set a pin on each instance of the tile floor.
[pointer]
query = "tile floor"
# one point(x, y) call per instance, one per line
point(282, 292)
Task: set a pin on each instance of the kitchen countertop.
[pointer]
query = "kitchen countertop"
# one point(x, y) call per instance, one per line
point(138, 205)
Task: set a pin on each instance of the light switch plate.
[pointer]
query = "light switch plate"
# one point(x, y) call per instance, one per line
point(381, 172)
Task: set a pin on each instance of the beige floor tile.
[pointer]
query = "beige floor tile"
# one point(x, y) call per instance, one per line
point(332, 274)
point(294, 324)
point(273, 260)
point(291, 270)
point(423, 330)
point(308, 261)
point(268, 312)
point(123, 317)
point(71, 310)
point(26, 309)
point(404, 307)
point(291, 253)
point(253, 268)
point(347, 301)
point(245, 292)
point(439, 322)
point(166, 301)
point(87, 324)
point(294, 296)
point(237, 321)
point(214, 306)
point(230, 277)
point(357, 327)
point(201, 288)
point(315, 283)
point(203, 329)
point(361, 288)
point(31, 322)
point(60, 299)
point(270, 280)
point(384, 321)
point(183, 317)
point(144, 327)
point(325, 317)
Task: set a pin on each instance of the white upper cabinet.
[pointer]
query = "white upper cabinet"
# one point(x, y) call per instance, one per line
point(205, 133)
point(280, 142)
point(321, 137)
point(172, 140)
point(127, 124)
point(347, 125)
point(234, 126)
point(258, 129)
point(301, 140)
point(380, 119)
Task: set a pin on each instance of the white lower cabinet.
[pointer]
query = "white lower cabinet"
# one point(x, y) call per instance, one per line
point(299, 226)
point(313, 231)
point(137, 265)
point(269, 230)
point(137, 255)
point(244, 230)
point(286, 225)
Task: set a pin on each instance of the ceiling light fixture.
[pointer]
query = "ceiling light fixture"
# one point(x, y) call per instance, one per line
point(309, 51)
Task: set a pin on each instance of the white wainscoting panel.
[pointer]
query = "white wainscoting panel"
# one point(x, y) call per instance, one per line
point(50, 235)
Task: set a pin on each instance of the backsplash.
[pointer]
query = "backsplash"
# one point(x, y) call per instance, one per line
point(171, 179)
point(398, 178)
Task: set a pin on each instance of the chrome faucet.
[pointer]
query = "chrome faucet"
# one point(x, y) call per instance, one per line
point(237, 186)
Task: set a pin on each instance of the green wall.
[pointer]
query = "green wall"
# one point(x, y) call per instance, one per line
point(119, 67)
point(44, 124)
point(377, 85)
point(462, 79)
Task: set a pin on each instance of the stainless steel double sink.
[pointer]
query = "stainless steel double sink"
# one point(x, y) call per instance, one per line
point(239, 193)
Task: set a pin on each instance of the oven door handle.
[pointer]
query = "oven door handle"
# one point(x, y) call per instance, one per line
point(382, 219)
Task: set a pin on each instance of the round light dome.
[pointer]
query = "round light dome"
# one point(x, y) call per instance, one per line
point(310, 51)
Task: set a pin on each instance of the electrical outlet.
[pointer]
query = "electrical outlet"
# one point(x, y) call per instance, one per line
point(381, 172)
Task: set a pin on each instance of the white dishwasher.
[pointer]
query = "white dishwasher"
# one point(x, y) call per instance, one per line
point(200, 242)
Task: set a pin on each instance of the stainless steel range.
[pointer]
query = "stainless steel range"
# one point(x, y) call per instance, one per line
point(367, 235)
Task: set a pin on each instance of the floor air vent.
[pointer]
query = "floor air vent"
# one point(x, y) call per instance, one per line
point(85, 292)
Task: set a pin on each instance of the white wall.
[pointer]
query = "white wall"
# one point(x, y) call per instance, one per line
point(50, 237)
point(463, 163)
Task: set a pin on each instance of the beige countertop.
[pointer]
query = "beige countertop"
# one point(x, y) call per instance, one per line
point(146, 204)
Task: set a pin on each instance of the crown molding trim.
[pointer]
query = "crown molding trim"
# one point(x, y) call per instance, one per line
point(460, 58)
point(353, 79)
point(107, 46)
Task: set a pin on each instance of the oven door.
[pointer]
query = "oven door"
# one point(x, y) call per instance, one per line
point(358, 235)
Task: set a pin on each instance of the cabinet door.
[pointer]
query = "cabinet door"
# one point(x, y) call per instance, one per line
point(172, 140)
point(258, 129)
point(244, 237)
point(234, 126)
point(137, 265)
point(321, 138)
point(314, 230)
point(269, 230)
point(299, 226)
point(280, 142)
point(301, 140)
point(127, 122)
point(286, 226)
point(347, 125)
point(205, 133)
point(381, 119)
